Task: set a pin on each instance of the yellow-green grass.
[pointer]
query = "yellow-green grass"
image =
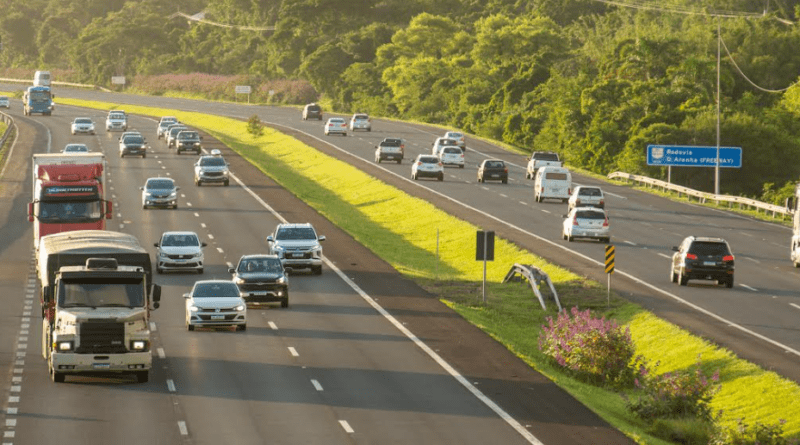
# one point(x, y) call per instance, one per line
point(402, 230)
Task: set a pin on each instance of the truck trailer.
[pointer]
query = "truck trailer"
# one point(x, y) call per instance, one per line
point(68, 193)
point(96, 296)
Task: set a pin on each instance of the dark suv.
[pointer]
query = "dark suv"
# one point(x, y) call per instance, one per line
point(312, 111)
point(188, 140)
point(261, 278)
point(702, 258)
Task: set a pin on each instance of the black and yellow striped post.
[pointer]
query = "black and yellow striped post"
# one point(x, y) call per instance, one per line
point(609, 267)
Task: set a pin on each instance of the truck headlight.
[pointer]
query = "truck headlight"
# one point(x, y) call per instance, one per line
point(64, 345)
point(139, 345)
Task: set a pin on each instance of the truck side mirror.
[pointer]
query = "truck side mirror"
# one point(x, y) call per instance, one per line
point(109, 209)
point(156, 295)
point(30, 211)
point(47, 294)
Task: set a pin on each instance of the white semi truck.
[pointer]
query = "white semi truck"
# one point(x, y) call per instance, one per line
point(96, 296)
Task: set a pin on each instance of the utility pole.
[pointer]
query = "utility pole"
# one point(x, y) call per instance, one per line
point(716, 170)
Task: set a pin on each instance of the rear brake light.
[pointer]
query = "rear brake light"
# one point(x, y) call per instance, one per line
point(578, 201)
point(505, 170)
point(605, 223)
point(569, 191)
point(691, 256)
point(602, 202)
point(575, 220)
point(727, 258)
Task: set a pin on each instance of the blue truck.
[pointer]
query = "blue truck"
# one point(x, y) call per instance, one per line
point(37, 99)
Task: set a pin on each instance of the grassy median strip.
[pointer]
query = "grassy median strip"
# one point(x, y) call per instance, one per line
point(403, 230)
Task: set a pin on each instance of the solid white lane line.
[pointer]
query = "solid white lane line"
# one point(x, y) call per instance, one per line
point(182, 428)
point(748, 287)
point(346, 426)
point(752, 259)
point(629, 242)
point(316, 384)
point(273, 326)
point(792, 304)
point(293, 351)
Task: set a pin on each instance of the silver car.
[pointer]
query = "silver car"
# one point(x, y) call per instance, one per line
point(212, 169)
point(165, 122)
point(214, 303)
point(427, 166)
point(336, 125)
point(116, 121)
point(179, 251)
point(159, 192)
point(4, 102)
point(587, 196)
point(360, 121)
point(83, 125)
point(586, 222)
point(298, 246)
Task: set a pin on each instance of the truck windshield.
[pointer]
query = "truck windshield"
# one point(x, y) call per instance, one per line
point(69, 212)
point(101, 292)
point(40, 96)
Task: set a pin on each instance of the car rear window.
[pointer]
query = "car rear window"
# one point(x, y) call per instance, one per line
point(546, 156)
point(708, 248)
point(428, 159)
point(452, 150)
point(206, 290)
point(589, 191)
point(134, 140)
point(336, 121)
point(313, 108)
point(588, 214)
point(360, 117)
point(495, 164)
point(556, 176)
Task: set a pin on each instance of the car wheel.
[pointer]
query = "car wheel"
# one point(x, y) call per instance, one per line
point(144, 155)
point(190, 327)
point(607, 240)
point(399, 161)
point(159, 270)
point(142, 376)
point(461, 166)
point(197, 152)
point(682, 279)
point(226, 183)
point(480, 179)
point(729, 282)
point(144, 207)
point(197, 183)
point(241, 327)
point(673, 276)
point(317, 270)
point(378, 160)
point(505, 181)
point(285, 302)
point(200, 271)
point(121, 155)
point(563, 235)
point(413, 176)
point(58, 377)
point(441, 177)
point(537, 198)
point(175, 206)
point(569, 237)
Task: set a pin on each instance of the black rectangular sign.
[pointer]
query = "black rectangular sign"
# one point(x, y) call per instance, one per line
point(487, 239)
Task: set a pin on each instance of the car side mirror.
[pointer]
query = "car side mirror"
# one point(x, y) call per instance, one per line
point(565, 216)
point(141, 188)
point(231, 270)
point(203, 244)
point(177, 188)
point(322, 238)
point(270, 239)
point(288, 270)
point(187, 295)
point(675, 248)
point(155, 244)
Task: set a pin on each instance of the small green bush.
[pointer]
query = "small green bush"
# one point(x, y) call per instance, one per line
point(674, 394)
point(757, 434)
point(254, 126)
point(594, 349)
point(683, 431)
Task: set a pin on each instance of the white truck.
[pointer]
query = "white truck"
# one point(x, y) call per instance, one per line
point(539, 159)
point(794, 205)
point(96, 296)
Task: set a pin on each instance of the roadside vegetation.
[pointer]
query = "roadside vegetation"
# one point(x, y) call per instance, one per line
point(670, 372)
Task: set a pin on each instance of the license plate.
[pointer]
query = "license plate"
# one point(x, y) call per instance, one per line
point(709, 263)
point(101, 365)
point(495, 175)
point(297, 255)
point(217, 317)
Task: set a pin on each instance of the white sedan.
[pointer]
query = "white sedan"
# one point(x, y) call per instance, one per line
point(82, 125)
point(586, 222)
point(215, 303)
point(336, 125)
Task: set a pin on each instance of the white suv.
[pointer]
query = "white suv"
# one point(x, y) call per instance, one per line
point(360, 121)
point(587, 196)
point(179, 251)
point(298, 246)
point(427, 166)
point(116, 121)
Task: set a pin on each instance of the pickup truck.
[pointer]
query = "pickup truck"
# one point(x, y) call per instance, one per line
point(541, 159)
point(390, 149)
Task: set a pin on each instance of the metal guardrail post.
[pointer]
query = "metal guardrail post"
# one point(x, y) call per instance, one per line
point(534, 276)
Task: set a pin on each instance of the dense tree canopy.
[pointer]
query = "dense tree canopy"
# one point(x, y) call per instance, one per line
point(593, 81)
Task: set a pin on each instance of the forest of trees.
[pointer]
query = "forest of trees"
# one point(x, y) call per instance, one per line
point(594, 81)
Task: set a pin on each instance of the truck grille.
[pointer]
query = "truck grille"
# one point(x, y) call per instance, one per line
point(101, 338)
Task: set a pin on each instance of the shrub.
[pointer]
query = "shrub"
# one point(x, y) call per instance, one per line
point(594, 349)
point(674, 394)
point(683, 431)
point(254, 126)
point(745, 434)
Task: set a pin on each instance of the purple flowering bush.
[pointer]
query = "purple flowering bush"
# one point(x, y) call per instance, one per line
point(593, 349)
point(674, 394)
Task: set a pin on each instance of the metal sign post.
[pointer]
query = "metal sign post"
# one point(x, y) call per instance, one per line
point(484, 249)
point(609, 268)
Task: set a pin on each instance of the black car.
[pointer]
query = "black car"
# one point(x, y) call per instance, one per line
point(312, 111)
point(702, 258)
point(262, 279)
point(494, 170)
point(188, 140)
point(133, 144)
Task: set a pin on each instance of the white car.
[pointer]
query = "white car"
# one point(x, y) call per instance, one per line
point(179, 251)
point(165, 122)
point(298, 246)
point(587, 196)
point(360, 121)
point(116, 120)
point(586, 222)
point(84, 125)
point(336, 125)
point(212, 169)
point(452, 155)
point(458, 137)
point(439, 143)
point(75, 148)
point(4, 102)
point(213, 303)
point(427, 166)
point(159, 192)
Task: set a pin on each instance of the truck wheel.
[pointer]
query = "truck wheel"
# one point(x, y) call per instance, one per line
point(190, 327)
point(142, 376)
point(58, 377)
point(45, 339)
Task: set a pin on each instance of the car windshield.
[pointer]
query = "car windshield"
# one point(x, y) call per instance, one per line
point(188, 135)
point(100, 292)
point(134, 140)
point(180, 240)
point(708, 248)
point(295, 233)
point(392, 142)
point(589, 191)
point(83, 121)
point(160, 184)
point(213, 161)
point(215, 290)
point(176, 130)
point(588, 214)
point(116, 116)
point(313, 108)
point(455, 135)
point(269, 265)
point(166, 124)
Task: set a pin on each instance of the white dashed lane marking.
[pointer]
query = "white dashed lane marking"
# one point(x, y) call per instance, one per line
point(748, 287)
point(796, 306)
point(346, 426)
point(293, 351)
point(273, 326)
point(316, 384)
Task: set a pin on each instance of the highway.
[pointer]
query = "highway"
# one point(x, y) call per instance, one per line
point(757, 319)
point(334, 368)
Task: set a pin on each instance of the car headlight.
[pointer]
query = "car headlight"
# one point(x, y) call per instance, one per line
point(238, 281)
point(281, 280)
point(173, 195)
point(240, 308)
point(193, 308)
point(198, 255)
point(278, 248)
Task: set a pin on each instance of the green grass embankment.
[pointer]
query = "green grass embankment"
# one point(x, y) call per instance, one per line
point(402, 230)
